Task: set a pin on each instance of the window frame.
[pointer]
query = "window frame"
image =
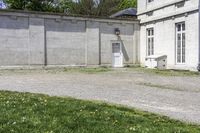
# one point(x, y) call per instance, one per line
point(180, 4)
point(149, 14)
point(150, 32)
point(180, 59)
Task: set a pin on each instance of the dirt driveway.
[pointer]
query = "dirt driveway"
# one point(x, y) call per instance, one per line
point(174, 96)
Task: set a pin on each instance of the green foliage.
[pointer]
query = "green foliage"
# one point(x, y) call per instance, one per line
point(16, 4)
point(83, 7)
point(108, 7)
point(91, 7)
point(33, 5)
point(80, 7)
point(89, 70)
point(35, 113)
point(101, 7)
point(127, 4)
point(164, 72)
point(65, 5)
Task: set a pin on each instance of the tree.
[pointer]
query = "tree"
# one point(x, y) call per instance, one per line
point(127, 4)
point(16, 4)
point(65, 5)
point(33, 5)
point(80, 7)
point(92, 7)
point(108, 7)
point(83, 7)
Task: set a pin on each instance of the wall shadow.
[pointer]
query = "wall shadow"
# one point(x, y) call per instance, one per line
point(124, 51)
point(65, 26)
point(14, 23)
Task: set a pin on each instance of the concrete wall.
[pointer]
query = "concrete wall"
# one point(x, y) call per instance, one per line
point(14, 41)
point(163, 21)
point(65, 42)
point(47, 39)
point(127, 37)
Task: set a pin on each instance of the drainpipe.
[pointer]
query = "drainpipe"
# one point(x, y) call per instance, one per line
point(199, 39)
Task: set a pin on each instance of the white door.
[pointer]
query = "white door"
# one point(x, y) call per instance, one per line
point(117, 56)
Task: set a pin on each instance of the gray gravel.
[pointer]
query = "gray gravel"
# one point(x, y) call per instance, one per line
point(176, 97)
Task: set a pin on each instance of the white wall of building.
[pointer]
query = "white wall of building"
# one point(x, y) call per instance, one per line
point(163, 21)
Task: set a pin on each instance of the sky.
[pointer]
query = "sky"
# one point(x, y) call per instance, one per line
point(2, 5)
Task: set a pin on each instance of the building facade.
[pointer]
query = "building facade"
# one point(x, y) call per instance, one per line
point(44, 39)
point(170, 28)
point(165, 35)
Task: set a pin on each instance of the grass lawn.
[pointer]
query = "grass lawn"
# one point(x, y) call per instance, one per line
point(166, 72)
point(84, 70)
point(102, 69)
point(35, 113)
point(93, 70)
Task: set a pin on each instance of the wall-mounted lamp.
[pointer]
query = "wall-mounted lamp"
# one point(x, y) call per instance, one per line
point(117, 31)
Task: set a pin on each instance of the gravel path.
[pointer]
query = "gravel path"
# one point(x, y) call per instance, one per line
point(177, 97)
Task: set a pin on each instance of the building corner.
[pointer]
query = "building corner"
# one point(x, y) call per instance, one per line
point(198, 67)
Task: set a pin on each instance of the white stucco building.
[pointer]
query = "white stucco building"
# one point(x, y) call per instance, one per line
point(170, 28)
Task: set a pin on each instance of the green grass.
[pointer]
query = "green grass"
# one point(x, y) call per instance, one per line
point(35, 113)
point(164, 72)
point(103, 69)
point(85, 70)
point(88, 70)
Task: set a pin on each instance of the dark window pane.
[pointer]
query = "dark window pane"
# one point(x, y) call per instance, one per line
point(183, 36)
point(152, 42)
point(179, 37)
point(152, 32)
point(116, 48)
point(149, 40)
point(149, 49)
point(183, 47)
point(178, 27)
point(183, 26)
point(179, 48)
point(178, 59)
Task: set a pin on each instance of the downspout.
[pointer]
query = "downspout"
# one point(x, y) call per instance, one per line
point(199, 39)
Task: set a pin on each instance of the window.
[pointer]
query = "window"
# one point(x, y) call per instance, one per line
point(116, 48)
point(180, 4)
point(149, 14)
point(180, 43)
point(149, 1)
point(150, 41)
